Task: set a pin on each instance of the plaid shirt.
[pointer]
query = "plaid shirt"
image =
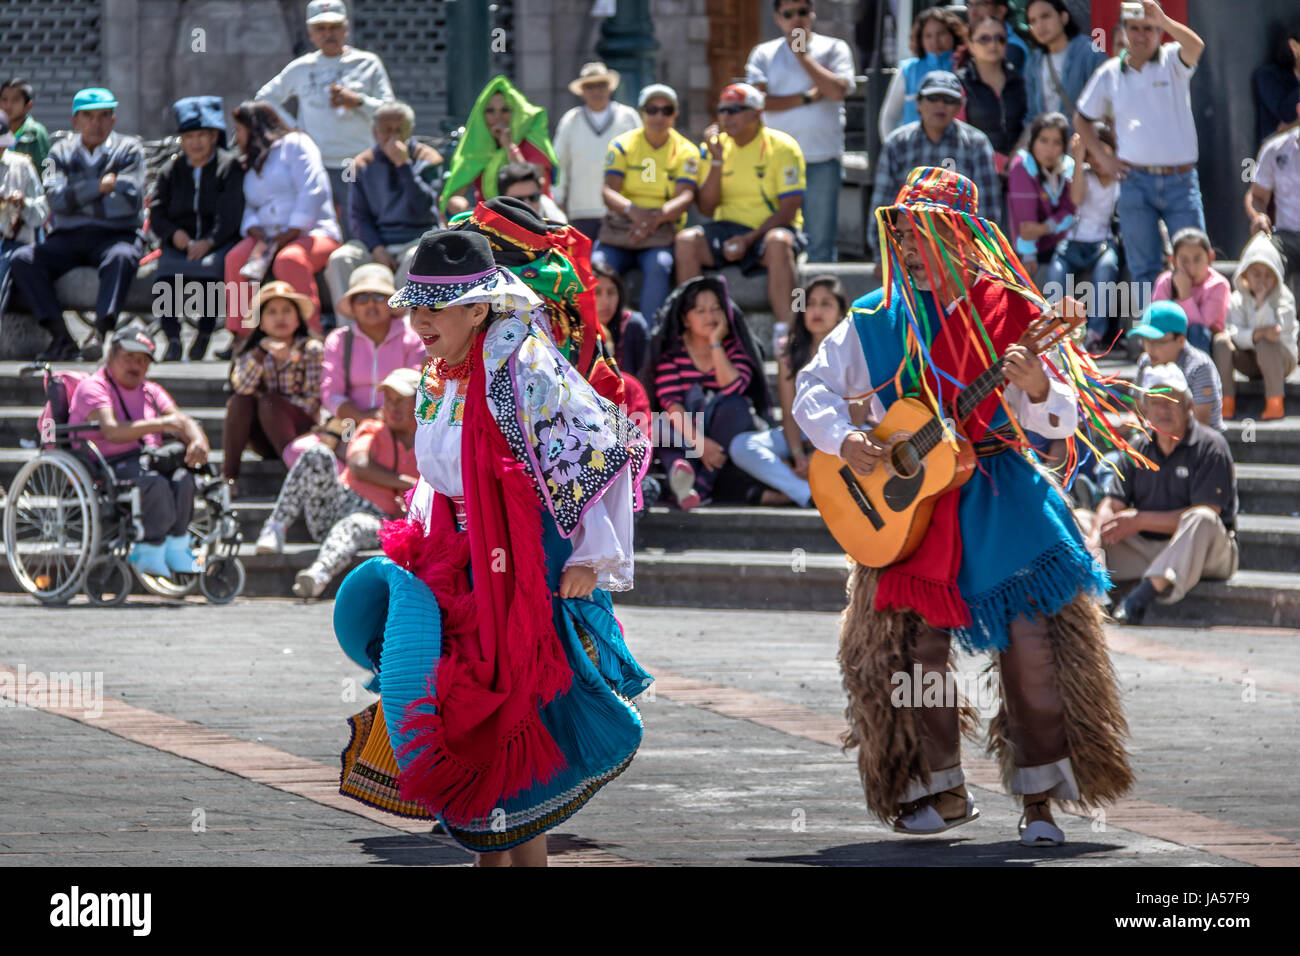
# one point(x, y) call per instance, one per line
point(298, 379)
point(962, 148)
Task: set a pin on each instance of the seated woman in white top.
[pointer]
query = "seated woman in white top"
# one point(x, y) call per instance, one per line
point(289, 224)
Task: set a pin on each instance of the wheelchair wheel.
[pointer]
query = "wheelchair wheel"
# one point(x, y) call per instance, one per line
point(51, 526)
point(222, 579)
point(108, 580)
point(179, 585)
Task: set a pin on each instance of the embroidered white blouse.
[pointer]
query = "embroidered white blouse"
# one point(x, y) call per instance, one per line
point(839, 372)
point(603, 539)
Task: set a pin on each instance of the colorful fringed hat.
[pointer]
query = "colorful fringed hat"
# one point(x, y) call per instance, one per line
point(932, 196)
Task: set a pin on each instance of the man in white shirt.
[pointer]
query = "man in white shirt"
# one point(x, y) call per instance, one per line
point(582, 138)
point(338, 89)
point(806, 76)
point(1277, 177)
point(1147, 91)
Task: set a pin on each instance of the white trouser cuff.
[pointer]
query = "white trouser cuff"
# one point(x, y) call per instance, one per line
point(940, 780)
point(1054, 779)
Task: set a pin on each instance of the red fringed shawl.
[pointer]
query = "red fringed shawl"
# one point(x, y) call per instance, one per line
point(927, 581)
point(501, 657)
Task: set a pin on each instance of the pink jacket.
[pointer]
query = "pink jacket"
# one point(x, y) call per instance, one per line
point(1208, 303)
point(402, 348)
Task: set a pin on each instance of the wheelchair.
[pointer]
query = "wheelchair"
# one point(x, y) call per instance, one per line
point(70, 522)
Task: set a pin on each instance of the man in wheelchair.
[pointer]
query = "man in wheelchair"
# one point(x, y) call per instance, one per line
point(133, 414)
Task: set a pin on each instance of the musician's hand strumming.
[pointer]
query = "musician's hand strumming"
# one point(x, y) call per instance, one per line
point(861, 452)
point(1025, 371)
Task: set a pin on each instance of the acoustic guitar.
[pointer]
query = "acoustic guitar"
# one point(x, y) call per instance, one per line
point(880, 518)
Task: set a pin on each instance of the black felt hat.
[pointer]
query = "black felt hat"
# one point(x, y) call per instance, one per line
point(450, 265)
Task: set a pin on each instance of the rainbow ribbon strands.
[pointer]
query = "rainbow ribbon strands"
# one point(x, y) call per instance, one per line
point(954, 245)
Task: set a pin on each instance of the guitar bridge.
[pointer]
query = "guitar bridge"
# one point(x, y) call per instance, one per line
point(860, 498)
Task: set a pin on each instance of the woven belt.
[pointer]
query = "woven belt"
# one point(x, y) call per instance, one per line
point(1165, 170)
point(995, 442)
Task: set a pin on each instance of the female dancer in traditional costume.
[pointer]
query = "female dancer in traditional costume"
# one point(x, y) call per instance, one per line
point(504, 680)
point(1003, 566)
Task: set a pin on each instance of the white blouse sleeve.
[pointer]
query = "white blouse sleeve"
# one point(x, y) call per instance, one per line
point(837, 373)
point(603, 539)
point(1060, 402)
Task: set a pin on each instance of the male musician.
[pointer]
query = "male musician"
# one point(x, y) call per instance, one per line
point(1003, 565)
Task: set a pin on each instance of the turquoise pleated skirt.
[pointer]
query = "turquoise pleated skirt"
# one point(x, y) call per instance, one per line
point(388, 620)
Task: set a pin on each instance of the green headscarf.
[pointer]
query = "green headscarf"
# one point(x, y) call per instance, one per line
point(478, 151)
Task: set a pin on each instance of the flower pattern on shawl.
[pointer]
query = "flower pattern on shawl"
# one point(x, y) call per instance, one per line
point(562, 452)
point(573, 442)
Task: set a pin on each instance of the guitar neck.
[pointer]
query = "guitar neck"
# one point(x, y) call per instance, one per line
point(984, 386)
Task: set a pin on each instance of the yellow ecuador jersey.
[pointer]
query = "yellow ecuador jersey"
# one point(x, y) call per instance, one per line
point(650, 175)
point(756, 177)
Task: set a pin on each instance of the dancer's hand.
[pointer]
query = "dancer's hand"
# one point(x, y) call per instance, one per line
point(861, 452)
point(1025, 371)
point(577, 581)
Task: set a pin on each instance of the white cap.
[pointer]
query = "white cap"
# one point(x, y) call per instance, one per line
point(326, 11)
point(1168, 376)
point(657, 89)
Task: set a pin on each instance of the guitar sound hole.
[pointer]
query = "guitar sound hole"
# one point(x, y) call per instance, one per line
point(904, 459)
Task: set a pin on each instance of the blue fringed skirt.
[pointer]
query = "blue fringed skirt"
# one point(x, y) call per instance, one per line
point(1022, 551)
point(387, 619)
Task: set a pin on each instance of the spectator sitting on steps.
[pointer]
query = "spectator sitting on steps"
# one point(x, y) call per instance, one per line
point(344, 511)
point(276, 380)
point(1259, 339)
point(753, 187)
point(16, 101)
point(650, 176)
point(195, 212)
point(23, 205)
point(133, 414)
point(1173, 526)
point(391, 204)
point(937, 139)
point(95, 185)
point(1163, 331)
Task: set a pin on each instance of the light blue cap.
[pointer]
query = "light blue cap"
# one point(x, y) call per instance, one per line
point(93, 98)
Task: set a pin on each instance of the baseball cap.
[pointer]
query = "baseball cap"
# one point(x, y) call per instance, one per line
point(1168, 376)
point(941, 83)
point(326, 11)
point(1159, 319)
point(402, 381)
point(656, 89)
point(93, 98)
point(132, 338)
point(742, 94)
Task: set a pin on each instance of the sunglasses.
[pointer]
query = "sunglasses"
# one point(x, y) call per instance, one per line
point(361, 298)
point(796, 12)
point(940, 98)
point(532, 198)
point(732, 110)
point(991, 38)
point(659, 110)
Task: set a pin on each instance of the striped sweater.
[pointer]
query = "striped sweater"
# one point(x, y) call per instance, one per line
point(676, 373)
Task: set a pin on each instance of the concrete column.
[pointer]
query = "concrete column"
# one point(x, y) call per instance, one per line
point(121, 59)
